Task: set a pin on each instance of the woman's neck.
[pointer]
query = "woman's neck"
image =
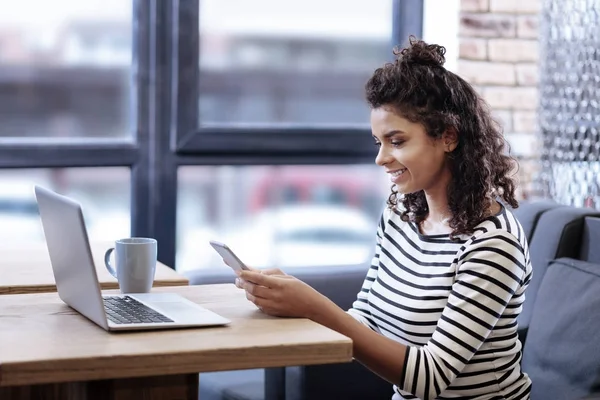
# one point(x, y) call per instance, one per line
point(437, 220)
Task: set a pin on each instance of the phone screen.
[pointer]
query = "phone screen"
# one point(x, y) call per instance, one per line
point(228, 256)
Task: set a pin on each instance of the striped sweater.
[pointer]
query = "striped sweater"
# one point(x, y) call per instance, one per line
point(453, 304)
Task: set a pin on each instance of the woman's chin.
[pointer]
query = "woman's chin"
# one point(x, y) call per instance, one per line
point(405, 188)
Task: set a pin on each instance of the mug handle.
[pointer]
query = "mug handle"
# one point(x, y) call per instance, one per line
point(107, 262)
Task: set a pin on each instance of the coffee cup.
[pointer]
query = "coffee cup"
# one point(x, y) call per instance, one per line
point(135, 264)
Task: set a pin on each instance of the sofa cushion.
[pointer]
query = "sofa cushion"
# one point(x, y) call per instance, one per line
point(562, 353)
point(528, 213)
point(590, 241)
point(558, 234)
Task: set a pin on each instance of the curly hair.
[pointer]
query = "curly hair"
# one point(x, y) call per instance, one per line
point(417, 87)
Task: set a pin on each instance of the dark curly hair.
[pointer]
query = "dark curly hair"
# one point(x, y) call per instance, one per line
point(417, 87)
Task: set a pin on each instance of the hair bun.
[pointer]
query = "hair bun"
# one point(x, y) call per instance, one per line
point(419, 52)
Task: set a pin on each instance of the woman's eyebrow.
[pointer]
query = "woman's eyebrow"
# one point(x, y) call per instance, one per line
point(393, 133)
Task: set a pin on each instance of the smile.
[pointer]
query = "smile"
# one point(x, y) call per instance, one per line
point(396, 174)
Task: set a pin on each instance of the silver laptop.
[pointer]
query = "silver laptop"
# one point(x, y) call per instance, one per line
point(77, 280)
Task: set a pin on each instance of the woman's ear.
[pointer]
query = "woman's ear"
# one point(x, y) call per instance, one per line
point(450, 139)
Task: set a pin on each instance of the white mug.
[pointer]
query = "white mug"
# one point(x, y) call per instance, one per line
point(135, 264)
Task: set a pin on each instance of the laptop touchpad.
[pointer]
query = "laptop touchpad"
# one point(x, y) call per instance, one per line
point(175, 308)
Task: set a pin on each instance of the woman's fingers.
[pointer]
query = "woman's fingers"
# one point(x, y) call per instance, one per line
point(257, 278)
point(239, 283)
point(265, 305)
point(273, 271)
point(259, 291)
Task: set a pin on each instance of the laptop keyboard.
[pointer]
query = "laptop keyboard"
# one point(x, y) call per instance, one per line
point(127, 310)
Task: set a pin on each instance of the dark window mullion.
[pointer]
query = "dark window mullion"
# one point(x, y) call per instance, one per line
point(154, 177)
point(277, 141)
point(186, 71)
point(49, 153)
point(261, 159)
point(407, 19)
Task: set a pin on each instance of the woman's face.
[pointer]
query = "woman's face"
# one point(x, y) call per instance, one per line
point(414, 160)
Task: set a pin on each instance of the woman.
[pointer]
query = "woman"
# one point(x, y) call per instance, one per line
point(437, 312)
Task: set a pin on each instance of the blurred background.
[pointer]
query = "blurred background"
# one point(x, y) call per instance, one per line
point(243, 121)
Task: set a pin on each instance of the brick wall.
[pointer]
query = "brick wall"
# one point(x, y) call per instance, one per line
point(498, 54)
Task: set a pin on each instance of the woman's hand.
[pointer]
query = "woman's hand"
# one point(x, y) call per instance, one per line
point(281, 295)
point(239, 282)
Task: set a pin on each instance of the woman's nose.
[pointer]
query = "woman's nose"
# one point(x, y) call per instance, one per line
point(382, 157)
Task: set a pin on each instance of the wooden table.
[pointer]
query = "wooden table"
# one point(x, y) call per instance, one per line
point(49, 351)
point(26, 268)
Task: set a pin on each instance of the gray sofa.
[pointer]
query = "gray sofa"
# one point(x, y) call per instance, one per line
point(554, 231)
point(562, 353)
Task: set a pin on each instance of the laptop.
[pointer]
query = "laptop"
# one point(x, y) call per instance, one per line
point(77, 280)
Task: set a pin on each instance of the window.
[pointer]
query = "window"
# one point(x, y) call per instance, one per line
point(65, 68)
point(103, 194)
point(301, 61)
point(328, 221)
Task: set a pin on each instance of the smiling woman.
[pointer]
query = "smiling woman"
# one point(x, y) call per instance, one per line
point(414, 160)
point(436, 314)
point(454, 142)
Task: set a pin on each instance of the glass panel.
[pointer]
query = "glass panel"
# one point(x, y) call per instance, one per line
point(302, 61)
point(65, 68)
point(279, 216)
point(104, 194)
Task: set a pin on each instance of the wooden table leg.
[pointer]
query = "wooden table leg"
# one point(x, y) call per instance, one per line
point(167, 387)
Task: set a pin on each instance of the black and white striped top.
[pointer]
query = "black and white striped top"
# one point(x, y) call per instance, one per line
point(454, 304)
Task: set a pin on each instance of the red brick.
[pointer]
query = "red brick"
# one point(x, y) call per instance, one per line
point(527, 26)
point(527, 98)
point(503, 6)
point(478, 89)
point(525, 121)
point(472, 49)
point(529, 167)
point(504, 118)
point(527, 74)
point(522, 144)
point(487, 25)
point(515, 6)
point(511, 98)
point(499, 97)
point(513, 50)
point(529, 6)
point(474, 5)
point(482, 72)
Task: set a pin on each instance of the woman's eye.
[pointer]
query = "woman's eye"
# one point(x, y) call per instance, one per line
point(378, 144)
point(397, 143)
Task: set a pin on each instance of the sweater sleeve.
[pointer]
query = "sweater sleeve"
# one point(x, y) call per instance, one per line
point(489, 272)
point(360, 308)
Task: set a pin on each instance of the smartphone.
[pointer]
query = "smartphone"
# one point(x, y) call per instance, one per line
point(228, 256)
